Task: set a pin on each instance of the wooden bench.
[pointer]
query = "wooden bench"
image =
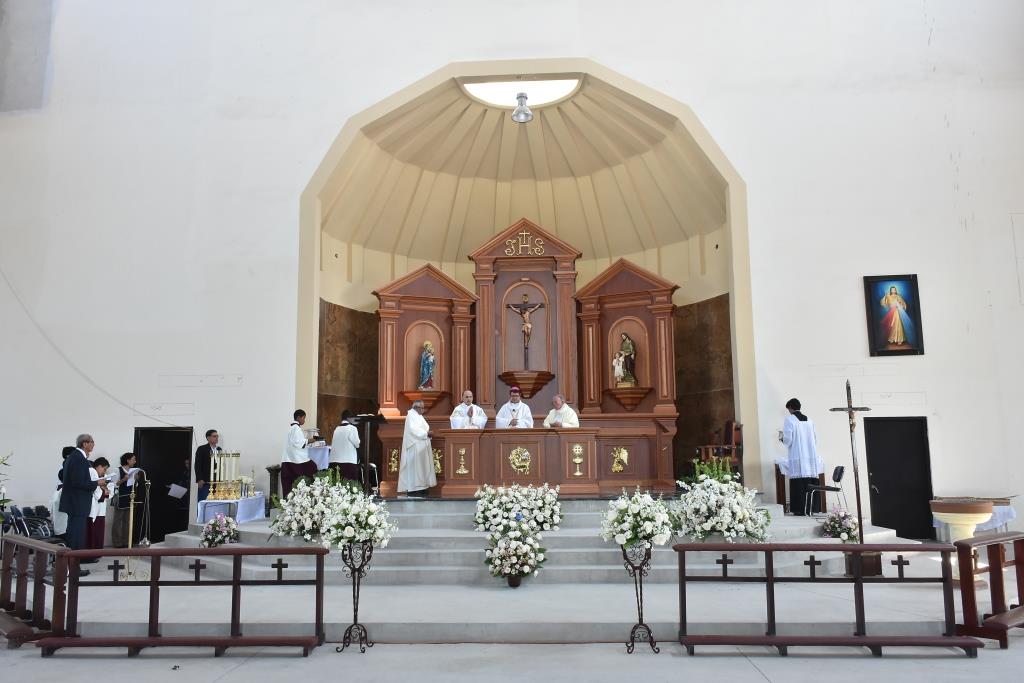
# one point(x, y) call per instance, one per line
point(996, 625)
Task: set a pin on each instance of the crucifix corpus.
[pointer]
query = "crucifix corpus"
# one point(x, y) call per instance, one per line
point(851, 411)
point(524, 310)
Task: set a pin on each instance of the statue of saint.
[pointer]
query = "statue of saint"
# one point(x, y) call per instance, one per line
point(427, 362)
point(617, 370)
point(627, 349)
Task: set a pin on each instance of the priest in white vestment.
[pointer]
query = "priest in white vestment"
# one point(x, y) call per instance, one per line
point(802, 464)
point(468, 415)
point(561, 416)
point(416, 473)
point(515, 414)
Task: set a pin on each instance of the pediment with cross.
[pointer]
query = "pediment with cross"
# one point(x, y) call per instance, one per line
point(525, 239)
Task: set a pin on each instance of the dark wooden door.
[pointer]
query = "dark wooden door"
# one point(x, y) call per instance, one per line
point(899, 475)
point(163, 453)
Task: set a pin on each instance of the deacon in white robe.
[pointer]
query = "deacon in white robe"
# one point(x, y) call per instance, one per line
point(561, 416)
point(468, 415)
point(802, 464)
point(515, 414)
point(416, 473)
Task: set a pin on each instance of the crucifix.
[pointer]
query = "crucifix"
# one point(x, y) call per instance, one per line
point(524, 310)
point(851, 412)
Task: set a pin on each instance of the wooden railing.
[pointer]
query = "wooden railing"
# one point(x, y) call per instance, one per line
point(22, 624)
point(997, 624)
point(860, 636)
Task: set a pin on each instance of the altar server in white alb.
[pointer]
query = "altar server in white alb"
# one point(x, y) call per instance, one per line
point(803, 464)
point(344, 448)
point(295, 460)
point(468, 415)
point(515, 414)
point(416, 473)
point(561, 416)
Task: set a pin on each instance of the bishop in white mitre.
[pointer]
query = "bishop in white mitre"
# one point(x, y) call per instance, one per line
point(561, 416)
point(802, 463)
point(416, 473)
point(515, 414)
point(468, 415)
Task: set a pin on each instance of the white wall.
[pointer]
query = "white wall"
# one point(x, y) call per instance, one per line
point(149, 210)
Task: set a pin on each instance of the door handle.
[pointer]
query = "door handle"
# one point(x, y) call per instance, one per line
point(875, 489)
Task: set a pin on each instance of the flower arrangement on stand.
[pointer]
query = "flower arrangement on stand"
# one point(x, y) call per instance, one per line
point(840, 524)
point(338, 514)
point(719, 506)
point(218, 531)
point(515, 519)
point(637, 523)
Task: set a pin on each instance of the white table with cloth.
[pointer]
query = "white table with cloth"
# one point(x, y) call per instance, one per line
point(245, 509)
point(321, 455)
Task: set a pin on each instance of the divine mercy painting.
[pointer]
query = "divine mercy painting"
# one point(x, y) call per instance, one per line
point(894, 315)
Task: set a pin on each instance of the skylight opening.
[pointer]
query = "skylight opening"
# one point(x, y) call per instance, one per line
point(503, 93)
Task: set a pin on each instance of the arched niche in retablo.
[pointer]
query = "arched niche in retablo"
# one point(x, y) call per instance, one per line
point(418, 333)
point(512, 325)
point(637, 331)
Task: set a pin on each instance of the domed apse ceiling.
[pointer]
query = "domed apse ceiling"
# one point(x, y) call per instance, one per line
point(602, 169)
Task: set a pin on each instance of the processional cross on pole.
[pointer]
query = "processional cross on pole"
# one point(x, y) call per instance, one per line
point(524, 310)
point(851, 411)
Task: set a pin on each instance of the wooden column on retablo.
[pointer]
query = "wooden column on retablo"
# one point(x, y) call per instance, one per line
point(424, 307)
point(625, 316)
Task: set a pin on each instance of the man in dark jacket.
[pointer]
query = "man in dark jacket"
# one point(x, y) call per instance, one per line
point(203, 456)
point(77, 495)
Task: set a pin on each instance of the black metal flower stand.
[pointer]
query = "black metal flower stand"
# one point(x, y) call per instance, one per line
point(637, 559)
point(356, 558)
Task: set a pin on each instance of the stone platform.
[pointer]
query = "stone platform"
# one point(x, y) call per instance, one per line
point(436, 544)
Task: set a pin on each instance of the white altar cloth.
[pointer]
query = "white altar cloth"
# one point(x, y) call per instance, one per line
point(245, 509)
point(321, 455)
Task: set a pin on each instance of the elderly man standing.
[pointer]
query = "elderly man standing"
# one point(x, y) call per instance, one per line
point(416, 473)
point(468, 415)
point(77, 495)
point(561, 416)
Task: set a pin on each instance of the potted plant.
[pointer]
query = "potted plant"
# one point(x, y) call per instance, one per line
point(338, 513)
point(636, 523)
point(719, 506)
point(515, 518)
point(219, 530)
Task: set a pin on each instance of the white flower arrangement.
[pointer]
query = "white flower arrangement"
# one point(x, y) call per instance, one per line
point(637, 518)
point(504, 510)
point(719, 506)
point(357, 518)
point(217, 531)
point(332, 514)
point(515, 519)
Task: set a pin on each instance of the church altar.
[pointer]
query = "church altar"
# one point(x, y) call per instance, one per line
point(607, 348)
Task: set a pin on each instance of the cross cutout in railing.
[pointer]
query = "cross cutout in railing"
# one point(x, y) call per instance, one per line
point(725, 562)
point(280, 566)
point(812, 563)
point(899, 563)
point(197, 567)
point(116, 568)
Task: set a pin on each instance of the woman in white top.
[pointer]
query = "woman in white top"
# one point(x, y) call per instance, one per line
point(344, 443)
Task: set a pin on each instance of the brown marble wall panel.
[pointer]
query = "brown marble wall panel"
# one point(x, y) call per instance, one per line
point(347, 376)
point(705, 394)
point(348, 352)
